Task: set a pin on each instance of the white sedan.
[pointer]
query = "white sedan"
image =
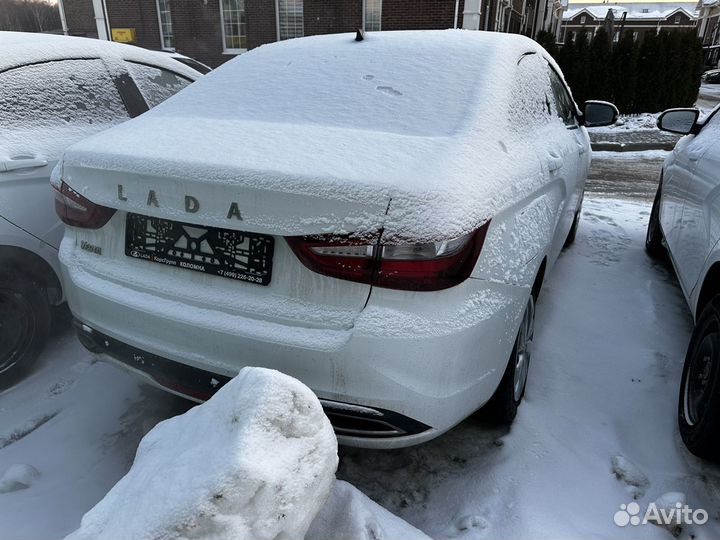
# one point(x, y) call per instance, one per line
point(373, 216)
point(685, 223)
point(55, 90)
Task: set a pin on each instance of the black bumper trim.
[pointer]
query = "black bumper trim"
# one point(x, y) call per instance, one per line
point(200, 385)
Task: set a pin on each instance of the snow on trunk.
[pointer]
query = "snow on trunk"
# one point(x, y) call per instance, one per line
point(255, 461)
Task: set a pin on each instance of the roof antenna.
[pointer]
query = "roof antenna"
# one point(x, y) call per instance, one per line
point(360, 35)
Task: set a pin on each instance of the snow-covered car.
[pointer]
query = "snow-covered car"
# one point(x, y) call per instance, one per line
point(711, 77)
point(373, 216)
point(685, 223)
point(55, 90)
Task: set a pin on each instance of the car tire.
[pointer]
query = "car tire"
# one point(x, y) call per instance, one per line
point(503, 405)
point(654, 239)
point(699, 400)
point(573, 230)
point(24, 326)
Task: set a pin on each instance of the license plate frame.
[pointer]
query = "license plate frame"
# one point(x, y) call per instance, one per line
point(227, 253)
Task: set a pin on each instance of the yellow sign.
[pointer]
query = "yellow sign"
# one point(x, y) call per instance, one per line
point(124, 35)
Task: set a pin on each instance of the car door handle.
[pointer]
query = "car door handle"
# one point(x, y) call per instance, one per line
point(554, 163)
point(695, 154)
point(18, 164)
point(581, 149)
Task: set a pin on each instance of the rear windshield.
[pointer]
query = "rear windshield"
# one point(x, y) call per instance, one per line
point(358, 85)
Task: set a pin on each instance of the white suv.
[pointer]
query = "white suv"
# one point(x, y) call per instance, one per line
point(371, 216)
point(685, 223)
point(55, 90)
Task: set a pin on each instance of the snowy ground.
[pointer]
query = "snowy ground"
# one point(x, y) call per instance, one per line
point(611, 334)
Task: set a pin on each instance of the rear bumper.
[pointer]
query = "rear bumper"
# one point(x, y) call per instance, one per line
point(425, 361)
point(199, 385)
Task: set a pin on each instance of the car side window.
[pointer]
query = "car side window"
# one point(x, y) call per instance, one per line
point(56, 94)
point(156, 84)
point(530, 95)
point(564, 105)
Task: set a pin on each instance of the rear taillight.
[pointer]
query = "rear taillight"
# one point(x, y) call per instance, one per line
point(74, 209)
point(430, 266)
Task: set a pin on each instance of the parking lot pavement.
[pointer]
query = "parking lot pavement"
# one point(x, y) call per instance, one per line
point(597, 428)
point(626, 175)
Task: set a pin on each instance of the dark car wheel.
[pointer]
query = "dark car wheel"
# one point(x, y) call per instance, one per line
point(24, 326)
point(573, 230)
point(699, 403)
point(504, 403)
point(654, 240)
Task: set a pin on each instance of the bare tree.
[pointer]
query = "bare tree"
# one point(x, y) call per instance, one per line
point(29, 16)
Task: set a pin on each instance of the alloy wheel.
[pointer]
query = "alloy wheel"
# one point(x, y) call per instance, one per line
point(17, 328)
point(523, 350)
point(697, 379)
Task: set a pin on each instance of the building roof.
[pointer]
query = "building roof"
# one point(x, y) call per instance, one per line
point(634, 12)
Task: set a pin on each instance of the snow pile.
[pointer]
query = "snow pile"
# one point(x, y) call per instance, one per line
point(638, 122)
point(350, 515)
point(668, 504)
point(255, 461)
point(17, 477)
point(629, 473)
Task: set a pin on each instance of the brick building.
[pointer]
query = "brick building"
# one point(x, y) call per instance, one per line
point(80, 17)
point(213, 31)
point(709, 30)
point(639, 18)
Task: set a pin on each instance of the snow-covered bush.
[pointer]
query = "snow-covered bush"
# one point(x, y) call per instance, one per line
point(257, 460)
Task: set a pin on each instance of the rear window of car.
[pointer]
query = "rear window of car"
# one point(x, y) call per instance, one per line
point(156, 84)
point(394, 85)
point(66, 92)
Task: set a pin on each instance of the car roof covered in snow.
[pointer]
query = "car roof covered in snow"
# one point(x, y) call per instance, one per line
point(410, 83)
point(396, 115)
point(22, 48)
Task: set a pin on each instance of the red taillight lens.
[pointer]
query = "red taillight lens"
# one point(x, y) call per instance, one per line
point(76, 210)
point(428, 266)
point(340, 258)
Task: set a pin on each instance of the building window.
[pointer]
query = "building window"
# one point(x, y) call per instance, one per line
point(290, 19)
point(583, 19)
point(373, 15)
point(232, 16)
point(677, 19)
point(167, 39)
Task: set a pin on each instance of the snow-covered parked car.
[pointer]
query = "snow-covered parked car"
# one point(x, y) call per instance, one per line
point(373, 216)
point(711, 77)
point(685, 223)
point(55, 90)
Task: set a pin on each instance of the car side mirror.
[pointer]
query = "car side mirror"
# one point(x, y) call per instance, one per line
point(599, 113)
point(682, 121)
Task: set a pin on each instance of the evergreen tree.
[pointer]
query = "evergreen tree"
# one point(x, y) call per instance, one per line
point(580, 68)
point(547, 40)
point(600, 72)
point(565, 55)
point(625, 66)
point(651, 83)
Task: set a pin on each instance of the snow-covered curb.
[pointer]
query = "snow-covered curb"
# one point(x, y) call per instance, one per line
point(256, 461)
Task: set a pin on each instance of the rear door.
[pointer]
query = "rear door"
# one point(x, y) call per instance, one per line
point(697, 230)
point(44, 108)
point(575, 146)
